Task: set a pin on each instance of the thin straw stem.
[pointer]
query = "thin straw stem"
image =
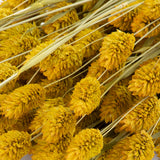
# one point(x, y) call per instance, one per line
point(106, 132)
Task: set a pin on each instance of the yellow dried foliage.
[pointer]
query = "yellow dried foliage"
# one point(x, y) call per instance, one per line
point(86, 96)
point(124, 22)
point(95, 70)
point(89, 5)
point(85, 39)
point(16, 45)
point(22, 100)
point(88, 120)
point(149, 12)
point(143, 117)
point(7, 70)
point(52, 151)
point(137, 147)
point(66, 20)
point(115, 103)
point(57, 89)
point(39, 116)
point(146, 79)
point(157, 150)
point(23, 29)
point(14, 3)
point(115, 50)
point(14, 145)
point(61, 63)
point(85, 145)
point(58, 122)
point(36, 50)
point(4, 12)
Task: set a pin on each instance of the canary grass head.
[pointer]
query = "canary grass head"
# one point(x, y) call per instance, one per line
point(85, 145)
point(37, 122)
point(95, 70)
point(149, 12)
point(22, 100)
point(14, 145)
point(45, 151)
point(69, 18)
point(115, 50)
point(7, 70)
point(125, 21)
point(16, 45)
point(84, 41)
point(115, 103)
point(58, 122)
point(139, 146)
point(143, 117)
point(86, 96)
point(146, 79)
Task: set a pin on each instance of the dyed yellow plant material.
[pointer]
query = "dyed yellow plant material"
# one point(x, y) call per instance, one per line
point(14, 145)
point(115, 50)
point(51, 151)
point(14, 3)
point(85, 145)
point(66, 20)
point(22, 100)
point(146, 79)
point(149, 12)
point(16, 45)
point(86, 96)
point(23, 29)
point(4, 12)
point(86, 39)
point(115, 103)
point(124, 22)
point(143, 117)
point(58, 122)
point(137, 147)
point(40, 113)
point(7, 70)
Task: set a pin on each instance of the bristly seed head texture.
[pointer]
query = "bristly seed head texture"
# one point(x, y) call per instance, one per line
point(115, 50)
point(22, 100)
point(86, 96)
point(85, 145)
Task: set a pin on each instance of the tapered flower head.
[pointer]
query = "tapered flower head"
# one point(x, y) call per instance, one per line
point(7, 70)
point(64, 21)
point(146, 79)
point(14, 145)
point(86, 45)
point(144, 116)
point(16, 45)
point(124, 22)
point(58, 122)
point(115, 103)
point(40, 114)
point(22, 100)
point(139, 146)
point(52, 151)
point(86, 96)
point(85, 145)
point(115, 50)
point(95, 70)
point(149, 12)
